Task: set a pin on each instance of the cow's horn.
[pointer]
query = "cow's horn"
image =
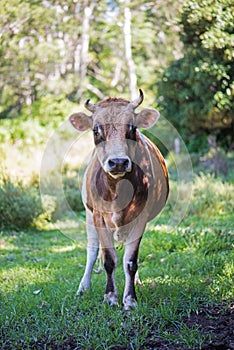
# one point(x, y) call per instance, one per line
point(89, 106)
point(135, 103)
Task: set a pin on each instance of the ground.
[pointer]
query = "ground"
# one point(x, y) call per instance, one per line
point(216, 323)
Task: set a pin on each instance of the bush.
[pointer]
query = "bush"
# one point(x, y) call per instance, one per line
point(63, 205)
point(212, 196)
point(60, 199)
point(71, 199)
point(20, 205)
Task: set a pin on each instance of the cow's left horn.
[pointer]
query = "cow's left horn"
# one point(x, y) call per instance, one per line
point(135, 103)
point(89, 106)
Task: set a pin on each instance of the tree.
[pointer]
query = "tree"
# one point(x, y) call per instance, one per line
point(31, 49)
point(128, 51)
point(81, 49)
point(197, 90)
point(88, 7)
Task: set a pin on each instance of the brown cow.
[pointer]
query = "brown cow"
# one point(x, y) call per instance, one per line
point(125, 186)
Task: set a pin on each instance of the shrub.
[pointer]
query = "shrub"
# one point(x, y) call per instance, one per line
point(70, 200)
point(72, 190)
point(212, 196)
point(60, 199)
point(20, 205)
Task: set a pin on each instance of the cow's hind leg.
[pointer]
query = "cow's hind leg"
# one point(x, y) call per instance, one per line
point(92, 252)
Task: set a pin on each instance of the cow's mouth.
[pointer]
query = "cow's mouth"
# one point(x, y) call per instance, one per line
point(116, 174)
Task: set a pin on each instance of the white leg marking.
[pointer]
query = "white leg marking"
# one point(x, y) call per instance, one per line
point(137, 279)
point(129, 303)
point(111, 298)
point(86, 279)
point(92, 252)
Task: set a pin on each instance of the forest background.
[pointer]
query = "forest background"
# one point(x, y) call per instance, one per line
point(56, 54)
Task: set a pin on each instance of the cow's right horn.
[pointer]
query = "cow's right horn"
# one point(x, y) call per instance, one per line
point(89, 106)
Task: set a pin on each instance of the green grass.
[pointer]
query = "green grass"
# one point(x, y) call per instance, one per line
point(181, 271)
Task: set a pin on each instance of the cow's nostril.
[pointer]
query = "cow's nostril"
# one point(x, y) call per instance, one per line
point(126, 164)
point(118, 165)
point(111, 164)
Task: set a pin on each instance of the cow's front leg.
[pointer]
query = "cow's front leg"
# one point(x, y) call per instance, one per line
point(110, 262)
point(130, 269)
point(110, 259)
point(92, 252)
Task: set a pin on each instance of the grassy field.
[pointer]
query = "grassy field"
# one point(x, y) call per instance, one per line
point(185, 300)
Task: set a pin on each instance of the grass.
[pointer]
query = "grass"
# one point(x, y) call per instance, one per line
point(181, 271)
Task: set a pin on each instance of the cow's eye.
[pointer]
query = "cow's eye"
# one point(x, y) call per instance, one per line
point(96, 130)
point(98, 134)
point(131, 132)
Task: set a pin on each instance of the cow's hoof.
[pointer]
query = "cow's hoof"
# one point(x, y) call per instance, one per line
point(111, 299)
point(82, 289)
point(129, 303)
point(80, 292)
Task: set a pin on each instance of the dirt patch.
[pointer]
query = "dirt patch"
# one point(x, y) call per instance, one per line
point(217, 323)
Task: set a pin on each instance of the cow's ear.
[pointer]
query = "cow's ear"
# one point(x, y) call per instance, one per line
point(81, 121)
point(147, 118)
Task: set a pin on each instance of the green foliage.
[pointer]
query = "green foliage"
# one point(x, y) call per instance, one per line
point(42, 66)
point(42, 44)
point(25, 52)
point(19, 205)
point(49, 110)
point(72, 191)
point(70, 200)
point(37, 122)
point(22, 132)
point(212, 198)
point(197, 90)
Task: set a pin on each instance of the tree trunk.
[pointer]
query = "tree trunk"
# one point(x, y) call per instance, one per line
point(128, 52)
point(83, 48)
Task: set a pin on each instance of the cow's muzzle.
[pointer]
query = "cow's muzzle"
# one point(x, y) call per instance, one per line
point(118, 166)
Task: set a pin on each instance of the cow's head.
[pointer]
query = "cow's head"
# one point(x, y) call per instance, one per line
point(114, 124)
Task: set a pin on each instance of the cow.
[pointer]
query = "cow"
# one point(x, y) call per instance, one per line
point(124, 187)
